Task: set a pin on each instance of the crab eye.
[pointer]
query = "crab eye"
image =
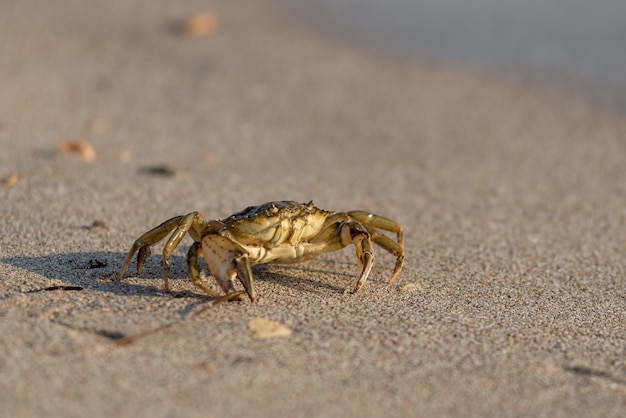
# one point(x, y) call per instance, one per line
point(273, 210)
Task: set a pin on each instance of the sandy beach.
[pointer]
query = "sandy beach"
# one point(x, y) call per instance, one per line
point(511, 193)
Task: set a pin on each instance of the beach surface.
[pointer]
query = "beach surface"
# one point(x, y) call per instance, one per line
point(511, 192)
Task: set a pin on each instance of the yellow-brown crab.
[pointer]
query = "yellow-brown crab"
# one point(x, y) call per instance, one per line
point(274, 232)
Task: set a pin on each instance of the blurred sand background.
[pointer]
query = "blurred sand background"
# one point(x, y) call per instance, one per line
point(511, 191)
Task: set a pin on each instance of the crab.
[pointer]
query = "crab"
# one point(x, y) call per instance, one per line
point(275, 232)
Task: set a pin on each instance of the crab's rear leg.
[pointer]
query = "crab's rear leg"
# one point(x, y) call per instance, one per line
point(371, 221)
point(380, 222)
point(392, 247)
point(353, 232)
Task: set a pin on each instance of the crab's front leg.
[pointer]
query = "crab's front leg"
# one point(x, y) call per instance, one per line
point(227, 261)
point(191, 223)
point(143, 243)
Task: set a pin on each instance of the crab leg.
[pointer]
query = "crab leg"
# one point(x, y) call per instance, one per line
point(371, 221)
point(354, 233)
point(192, 222)
point(380, 222)
point(143, 243)
point(330, 232)
point(194, 269)
point(392, 247)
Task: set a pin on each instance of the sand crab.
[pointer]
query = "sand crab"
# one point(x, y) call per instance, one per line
point(274, 232)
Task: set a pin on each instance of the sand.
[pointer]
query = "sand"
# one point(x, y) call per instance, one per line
point(512, 301)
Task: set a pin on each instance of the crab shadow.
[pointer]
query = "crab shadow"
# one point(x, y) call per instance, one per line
point(99, 271)
point(82, 270)
point(301, 277)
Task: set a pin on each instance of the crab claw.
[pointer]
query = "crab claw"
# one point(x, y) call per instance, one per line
point(227, 261)
point(244, 273)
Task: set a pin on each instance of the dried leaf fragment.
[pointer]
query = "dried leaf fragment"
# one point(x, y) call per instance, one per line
point(97, 224)
point(202, 24)
point(265, 328)
point(410, 287)
point(112, 335)
point(207, 367)
point(163, 170)
point(11, 180)
point(56, 287)
point(80, 147)
point(97, 263)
